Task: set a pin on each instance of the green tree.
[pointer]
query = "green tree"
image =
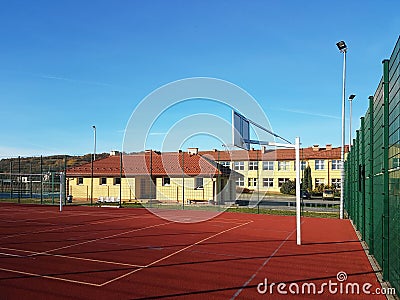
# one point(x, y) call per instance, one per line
point(307, 179)
point(288, 187)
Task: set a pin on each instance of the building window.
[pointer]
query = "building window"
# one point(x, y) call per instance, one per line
point(240, 181)
point(268, 165)
point(319, 181)
point(103, 180)
point(198, 183)
point(303, 165)
point(319, 164)
point(282, 181)
point(226, 164)
point(252, 182)
point(336, 183)
point(283, 165)
point(396, 162)
point(79, 180)
point(335, 164)
point(268, 182)
point(117, 181)
point(239, 165)
point(166, 181)
point(253, 165)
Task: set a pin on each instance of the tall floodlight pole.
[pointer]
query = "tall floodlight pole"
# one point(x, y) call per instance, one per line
point(343, 49)
point(351, 97)
point(94, 150)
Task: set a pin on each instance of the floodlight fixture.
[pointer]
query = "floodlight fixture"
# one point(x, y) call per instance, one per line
point(341, 46)
point(351, 97)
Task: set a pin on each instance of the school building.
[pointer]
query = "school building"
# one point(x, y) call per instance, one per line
point(167, 177)
point(266, 170)
point(195, 175)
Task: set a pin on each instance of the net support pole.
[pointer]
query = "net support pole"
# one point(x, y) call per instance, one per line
point(298, 208)
point(62, 175)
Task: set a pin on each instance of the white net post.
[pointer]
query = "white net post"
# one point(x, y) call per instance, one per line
point(298, 220)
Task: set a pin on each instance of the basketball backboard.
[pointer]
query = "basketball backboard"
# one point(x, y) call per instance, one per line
point(240, 131)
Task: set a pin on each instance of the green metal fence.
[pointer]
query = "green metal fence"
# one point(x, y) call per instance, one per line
point(372, 185)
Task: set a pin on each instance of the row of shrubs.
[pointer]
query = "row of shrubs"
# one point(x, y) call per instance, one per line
point(289, 188)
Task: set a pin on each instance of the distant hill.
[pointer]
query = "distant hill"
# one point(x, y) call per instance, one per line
point(54, 163)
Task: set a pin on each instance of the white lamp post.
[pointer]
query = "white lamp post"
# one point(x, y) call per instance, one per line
point(94, 150)
point(343, 49)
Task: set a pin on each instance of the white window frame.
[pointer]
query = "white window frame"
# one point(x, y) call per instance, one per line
point(319, 164)
point(335, 164)
point(239, 181)
point(226, 164)
point(282, 181)
point(253, 165)
point(268, 182)
point(239, 165)
point(319, 181)
point(252, 182)
point(166, 181)
point(268, 165)
point(198, 183)
point(283, 165)
point(336, 182)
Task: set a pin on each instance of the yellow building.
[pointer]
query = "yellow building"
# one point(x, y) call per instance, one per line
point(266, 170)
point(167, 177)
point(209, 176)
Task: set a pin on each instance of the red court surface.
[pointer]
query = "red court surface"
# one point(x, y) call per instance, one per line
point(109, 253)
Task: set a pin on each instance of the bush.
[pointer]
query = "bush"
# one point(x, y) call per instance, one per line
point(289, 188)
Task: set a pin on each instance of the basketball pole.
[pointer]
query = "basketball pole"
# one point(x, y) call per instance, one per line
point(298, 221)
point(241, 139)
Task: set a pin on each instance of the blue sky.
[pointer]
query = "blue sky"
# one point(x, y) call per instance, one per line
point(68, 65)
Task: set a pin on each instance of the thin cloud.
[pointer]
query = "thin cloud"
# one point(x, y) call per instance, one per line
point(309, 113)
point(74, 80)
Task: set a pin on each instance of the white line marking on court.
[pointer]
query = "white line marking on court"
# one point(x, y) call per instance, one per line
point(50, 277)
point(66, 256)
point(262, 265)
point(100, 239)
point(68, 227)
point(174, 253)
point(9, 254)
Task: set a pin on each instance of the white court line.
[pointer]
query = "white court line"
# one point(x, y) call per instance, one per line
point(9, 254)
point(68, 227)
point(174, 253)
point(66, 256)
point(119, 277)
point(262, 265)
point(100, 239)
point(50, 277)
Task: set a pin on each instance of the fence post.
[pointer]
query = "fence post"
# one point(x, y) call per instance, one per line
point(65, 180)
point(41, 179)
point(19, 183)
point(120, 179)
point(371, 174)
point(11, 180)
point(385, 235)
point(362, 177)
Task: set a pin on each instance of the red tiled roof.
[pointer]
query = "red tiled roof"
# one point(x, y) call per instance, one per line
point(170, 163)
point(166, 164)
point(277, 155)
